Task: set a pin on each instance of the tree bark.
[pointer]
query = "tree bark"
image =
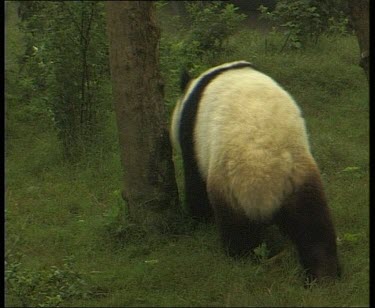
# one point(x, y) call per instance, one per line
point(150, 189)
point(359, 15)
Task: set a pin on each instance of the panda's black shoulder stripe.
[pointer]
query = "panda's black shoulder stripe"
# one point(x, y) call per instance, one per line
point(191, 102)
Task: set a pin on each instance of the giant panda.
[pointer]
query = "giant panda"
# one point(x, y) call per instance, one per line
point(247, 159)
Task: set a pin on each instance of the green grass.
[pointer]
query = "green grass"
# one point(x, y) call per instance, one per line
point(54, 210)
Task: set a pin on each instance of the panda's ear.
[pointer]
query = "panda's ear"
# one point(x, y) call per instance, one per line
point(184, 79)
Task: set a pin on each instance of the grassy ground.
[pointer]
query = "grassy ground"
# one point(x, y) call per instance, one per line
point(55, 211)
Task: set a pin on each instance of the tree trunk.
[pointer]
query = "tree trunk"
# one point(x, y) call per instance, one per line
point(150, 189)
point(359, 14)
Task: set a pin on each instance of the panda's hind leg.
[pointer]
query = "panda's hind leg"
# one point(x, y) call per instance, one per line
point(239, 235)
point(306, 219)
point(195, 192)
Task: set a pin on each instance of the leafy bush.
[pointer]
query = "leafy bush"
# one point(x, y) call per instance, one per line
point(338, 25)
point(66, 68)
point(303, 21)
point(210, 25)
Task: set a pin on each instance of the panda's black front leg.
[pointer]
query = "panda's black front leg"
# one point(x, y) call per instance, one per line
point(306, 219)
point(195, 193)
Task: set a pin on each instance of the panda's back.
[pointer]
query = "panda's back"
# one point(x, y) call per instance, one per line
point(248, 127)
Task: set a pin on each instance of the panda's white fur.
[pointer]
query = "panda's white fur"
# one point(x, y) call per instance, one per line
point(250, 139)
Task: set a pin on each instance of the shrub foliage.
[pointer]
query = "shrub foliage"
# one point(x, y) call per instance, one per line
point(65, 67)
point(304, 21)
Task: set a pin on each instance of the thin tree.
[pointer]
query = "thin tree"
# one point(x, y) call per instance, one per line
point(359, 14)
point(150, 189)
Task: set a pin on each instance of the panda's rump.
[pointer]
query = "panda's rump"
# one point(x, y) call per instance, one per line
point(253, 179)
point(251, 139)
